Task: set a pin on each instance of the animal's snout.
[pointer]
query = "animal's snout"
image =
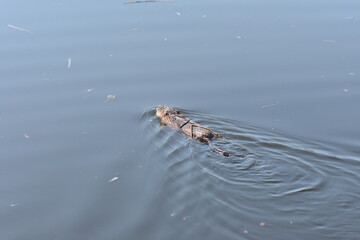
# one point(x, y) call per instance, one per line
point(160, 111)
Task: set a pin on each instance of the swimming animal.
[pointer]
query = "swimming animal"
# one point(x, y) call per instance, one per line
point(173, 118)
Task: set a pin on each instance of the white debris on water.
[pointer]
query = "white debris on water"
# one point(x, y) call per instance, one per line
point(18, 28)
point(185, 218)
point(329, 41)
point(69, 63)
point(113, 179)
point(351, 18)
point(110, 97)
point(269, 105)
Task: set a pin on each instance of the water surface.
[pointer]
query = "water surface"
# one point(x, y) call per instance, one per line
point(82, 155)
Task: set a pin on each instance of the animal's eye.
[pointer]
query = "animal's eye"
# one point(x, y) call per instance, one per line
point(177, 112)
point(166, 113)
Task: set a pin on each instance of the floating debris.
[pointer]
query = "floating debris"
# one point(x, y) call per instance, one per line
point(90, 90)
point(270, 105)
point(173, 214)
point(238, 37)
point(177, 13)
point(69, 63)
point(351, 73)
point(113, 179)
point(351, 18)
point(185, 218)
point(329, 41)
point(246, 231)
point(149, 1)
point(14, 204)
point(26, 136)
point(262, 224)
point(18, 28)
point(345, 90)
point(110, 97)
point(204, 16)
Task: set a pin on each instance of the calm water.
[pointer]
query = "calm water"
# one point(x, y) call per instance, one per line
point(82, 155)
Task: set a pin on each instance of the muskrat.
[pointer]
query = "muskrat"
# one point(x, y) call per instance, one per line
point(173, 118)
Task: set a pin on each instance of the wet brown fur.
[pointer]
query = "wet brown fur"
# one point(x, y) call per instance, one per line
point(173, 118)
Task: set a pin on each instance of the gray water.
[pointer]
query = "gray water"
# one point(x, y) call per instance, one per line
point(82, 155)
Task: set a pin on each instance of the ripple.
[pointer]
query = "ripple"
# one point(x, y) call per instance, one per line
point(267, 173)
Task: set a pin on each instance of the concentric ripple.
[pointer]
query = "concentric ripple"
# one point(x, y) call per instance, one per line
point(270, 181)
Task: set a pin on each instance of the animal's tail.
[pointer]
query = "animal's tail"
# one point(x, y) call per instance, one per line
point(217, 150)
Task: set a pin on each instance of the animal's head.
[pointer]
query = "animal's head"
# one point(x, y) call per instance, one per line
point(163, 111)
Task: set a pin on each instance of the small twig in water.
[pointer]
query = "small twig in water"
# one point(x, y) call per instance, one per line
point(18, 28)
point(270, 105)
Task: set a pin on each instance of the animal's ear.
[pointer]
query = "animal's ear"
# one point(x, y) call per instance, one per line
point(162, 123)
